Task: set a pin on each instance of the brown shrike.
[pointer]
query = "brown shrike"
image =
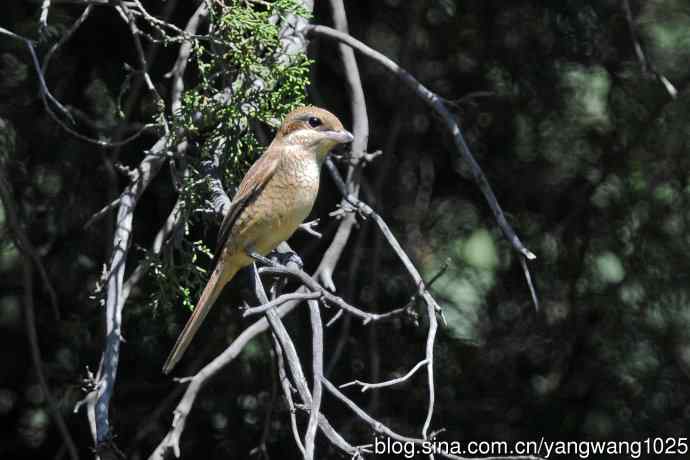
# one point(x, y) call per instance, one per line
point(273, 199)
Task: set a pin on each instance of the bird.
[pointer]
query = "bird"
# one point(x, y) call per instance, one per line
point(275, 196)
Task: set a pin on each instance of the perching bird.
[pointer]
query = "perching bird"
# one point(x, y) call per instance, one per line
point(273, 199)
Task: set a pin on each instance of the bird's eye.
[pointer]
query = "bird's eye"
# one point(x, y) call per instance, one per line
point(314, 122)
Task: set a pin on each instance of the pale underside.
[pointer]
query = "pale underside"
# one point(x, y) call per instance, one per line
point(278, 209)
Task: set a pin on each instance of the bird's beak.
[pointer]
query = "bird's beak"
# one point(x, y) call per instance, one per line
point(341, 137)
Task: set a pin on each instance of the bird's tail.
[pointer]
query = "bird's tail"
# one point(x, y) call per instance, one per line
point(219, 278)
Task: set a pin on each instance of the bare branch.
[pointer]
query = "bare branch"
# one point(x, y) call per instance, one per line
point(309, 228)
point(107, 372)
point(379, 427)
point(432, 305)
point(298, 295)
point(430, 340)
point(288, 348)
point(65, 37)
point(287, 392)
point(143, 63)
point(646, 66)
point(367, 386)
point(437, 105)
point(173, 221)
point(317, 368)
point(43, 19)
point(105, 210)
point(34, 59)
point(360, 129)
point(177, 72)
point(528, 277)
point(172, 439)
point(329, 297)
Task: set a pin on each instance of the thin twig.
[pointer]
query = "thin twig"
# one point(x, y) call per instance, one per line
point(261, 451)
point(430, 340)
point(172, 223)
point(105, 210)
point(65, 37)
point(381, 428)
point(317, 350)
point(177, 72)
point(287, 392)
point(143, 63)
point(43, 19)
point(34, 59)
point(432, 305)
point(329, 297)
point(281, 300)
point(309, 228)
point(436, 104)
point(367, 386)
point(288, 348)
point(645, 64)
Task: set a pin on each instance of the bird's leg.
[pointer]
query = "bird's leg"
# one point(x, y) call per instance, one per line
point(286, 256)
point(276, 286)
point(259, 258)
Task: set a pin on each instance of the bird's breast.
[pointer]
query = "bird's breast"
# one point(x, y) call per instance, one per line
point(282, 205)
point(297, 184)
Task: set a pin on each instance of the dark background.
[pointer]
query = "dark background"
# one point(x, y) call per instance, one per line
point(587, 153)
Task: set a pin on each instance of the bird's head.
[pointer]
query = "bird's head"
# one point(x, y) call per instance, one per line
point(313, 128)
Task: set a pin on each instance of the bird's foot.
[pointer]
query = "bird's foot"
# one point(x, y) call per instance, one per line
point(259, 258)
point(287, 257)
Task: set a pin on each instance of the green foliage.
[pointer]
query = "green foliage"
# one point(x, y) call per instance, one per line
point(243, 79)
point(179, 275)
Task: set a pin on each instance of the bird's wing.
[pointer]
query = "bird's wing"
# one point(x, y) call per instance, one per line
point(254, 181)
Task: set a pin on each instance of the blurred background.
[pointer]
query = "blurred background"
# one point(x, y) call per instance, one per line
point(583, 138)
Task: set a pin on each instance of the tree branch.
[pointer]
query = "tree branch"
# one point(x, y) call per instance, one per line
point(367, 386)
point(436, 104)
point(317, 349)
point(379, 427)
point(646, 66)
point(288, 348)
point(107, 373)
point(360, 129)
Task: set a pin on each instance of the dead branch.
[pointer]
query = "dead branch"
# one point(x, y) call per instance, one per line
point(298, 295)
point(107, 373)
point(360, 129)
point(432, 305)
point(436, 104)
point(317, 349)
point(290, 353)
point(381, 428)
point(287, 393)
point(327, 296)
point(645, 64)
point(367, 386)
